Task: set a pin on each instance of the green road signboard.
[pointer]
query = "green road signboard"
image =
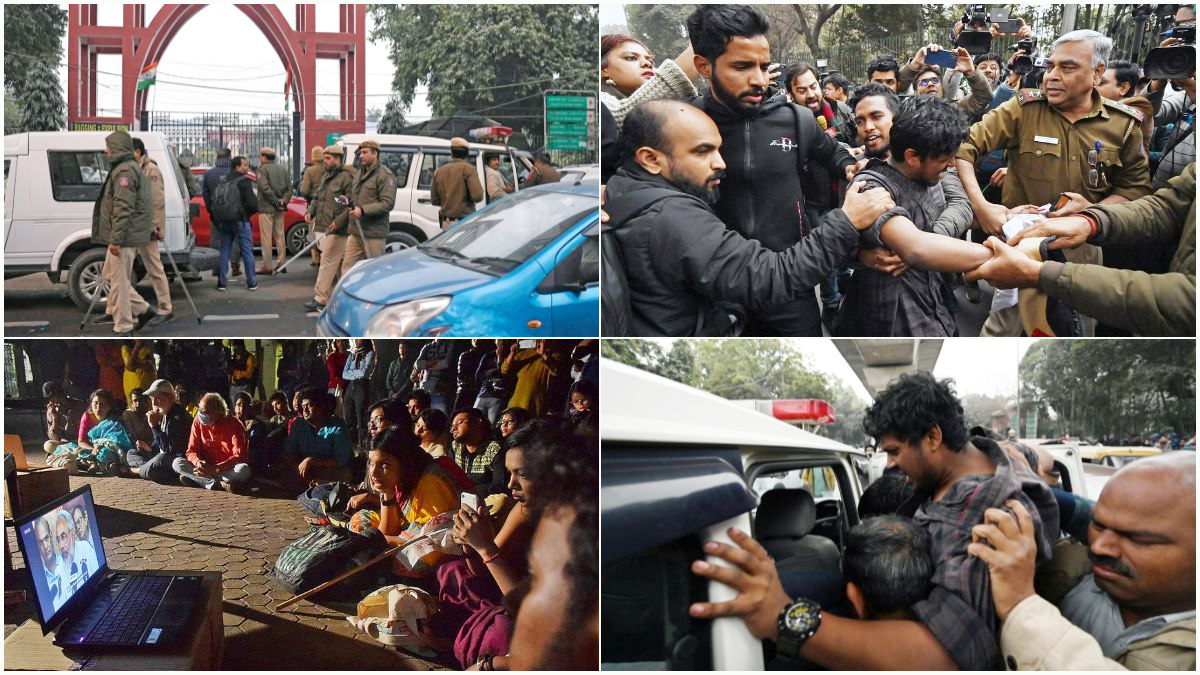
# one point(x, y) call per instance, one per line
point(570, 120)
point(332, 138)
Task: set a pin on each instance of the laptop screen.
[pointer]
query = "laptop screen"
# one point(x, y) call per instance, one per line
point(62, 549)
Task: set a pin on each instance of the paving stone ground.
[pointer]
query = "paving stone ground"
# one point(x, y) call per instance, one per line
point(151, 526)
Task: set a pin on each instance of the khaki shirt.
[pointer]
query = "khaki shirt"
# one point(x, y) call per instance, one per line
point(1048, 155)
point(495, 184)
point(158, 193)
point(455, 188)
point(311, 179)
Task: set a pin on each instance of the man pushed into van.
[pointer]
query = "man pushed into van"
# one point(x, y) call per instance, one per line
point(123, 220)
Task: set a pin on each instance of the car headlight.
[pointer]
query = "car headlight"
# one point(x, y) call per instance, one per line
point(401, 319)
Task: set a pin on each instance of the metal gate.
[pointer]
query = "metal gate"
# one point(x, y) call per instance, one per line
point(198, 136)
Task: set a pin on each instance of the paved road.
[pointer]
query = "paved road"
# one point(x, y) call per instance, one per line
point(34, 307)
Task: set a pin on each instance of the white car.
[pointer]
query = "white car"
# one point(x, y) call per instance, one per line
point(414, 159)
point(52, 180)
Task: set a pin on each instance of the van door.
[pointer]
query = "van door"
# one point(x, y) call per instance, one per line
point(424, 212)
point(400, 161)
point(63, 186)
point(10, 166)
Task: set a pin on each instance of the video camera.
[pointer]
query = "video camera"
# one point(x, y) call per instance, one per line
point(976, 34)
point(1025, 62)
point(1175, 62)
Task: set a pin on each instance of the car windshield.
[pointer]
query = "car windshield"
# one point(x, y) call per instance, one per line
point(510, 232)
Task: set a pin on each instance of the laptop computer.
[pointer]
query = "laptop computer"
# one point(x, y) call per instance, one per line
point(96, 608)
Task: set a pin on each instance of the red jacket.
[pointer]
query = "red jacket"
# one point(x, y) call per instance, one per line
point(223, 444)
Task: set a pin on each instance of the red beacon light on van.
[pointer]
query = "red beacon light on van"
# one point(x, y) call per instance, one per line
point(810, 410)
point(491, 133)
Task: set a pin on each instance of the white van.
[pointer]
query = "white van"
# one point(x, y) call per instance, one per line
point(52, 180)
point(414, 159)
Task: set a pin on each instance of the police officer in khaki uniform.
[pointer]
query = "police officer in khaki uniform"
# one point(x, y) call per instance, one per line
point(1064, 137)
point(372, 195)
point(122, 221)
point(274, 192)
point(309, 181)
point(456, 185)
point(334, 219)
point(151, 258)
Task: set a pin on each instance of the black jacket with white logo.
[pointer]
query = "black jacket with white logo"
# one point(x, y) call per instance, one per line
point(765, 154)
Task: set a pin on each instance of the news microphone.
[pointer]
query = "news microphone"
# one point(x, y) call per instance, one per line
point(822, 122)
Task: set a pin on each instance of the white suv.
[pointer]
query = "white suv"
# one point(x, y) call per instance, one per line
point(52, 180)
point(414, 159)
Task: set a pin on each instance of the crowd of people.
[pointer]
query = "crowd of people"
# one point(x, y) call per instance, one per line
point(349, 202)
point(1074, 171)
point(970, 555)
point(407, 436)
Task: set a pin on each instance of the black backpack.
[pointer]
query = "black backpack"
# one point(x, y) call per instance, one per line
point(227, 201)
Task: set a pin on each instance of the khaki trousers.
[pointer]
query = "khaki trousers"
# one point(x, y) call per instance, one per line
point(270, 230)
point(152, 261)
point(126, 301)
point(333, 247)
point(355, 251)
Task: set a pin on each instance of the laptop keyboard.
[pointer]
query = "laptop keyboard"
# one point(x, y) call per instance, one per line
point(125, 621)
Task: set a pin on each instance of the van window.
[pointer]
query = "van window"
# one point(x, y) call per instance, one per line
point(432, 161)
point(831, 491)
point(398, 161)
point(645, 622)
point(77, 176)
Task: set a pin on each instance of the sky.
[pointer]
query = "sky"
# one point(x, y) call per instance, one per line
point(220, 50)
point(611, 13)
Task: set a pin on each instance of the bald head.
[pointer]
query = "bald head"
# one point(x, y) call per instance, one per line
point(655, 124)
point(676, 141)
point(1142, 539)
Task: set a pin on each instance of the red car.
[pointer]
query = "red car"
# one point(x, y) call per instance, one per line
point(295, 229)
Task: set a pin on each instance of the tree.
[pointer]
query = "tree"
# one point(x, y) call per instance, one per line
point(489, 59)
point(755, 369)
point(849, 410)
point(32, 34)
point(660, 26)
point(642, 354)
point(811, 20)
point(392, 120)
point(40, 99)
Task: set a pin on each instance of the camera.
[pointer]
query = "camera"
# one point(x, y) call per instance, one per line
point(1175, 62)
point(976, 35)
point(1024, 63)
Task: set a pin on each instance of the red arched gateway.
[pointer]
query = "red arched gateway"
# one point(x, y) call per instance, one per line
point(141, 44)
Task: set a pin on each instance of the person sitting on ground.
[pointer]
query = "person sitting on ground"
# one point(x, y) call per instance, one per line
point(887, 567)
point(256, 432)
point(412, 488)
point(432, 431)
point(281, 412)
point(381, 416)
point(474, 451)
point(510, 420)
point(318, 449)
point(417, 402)
point(1137, 609)
point(171, 427)
point(471, 589)
point(134, 417)
point(218, 453)
point(185, 396)
point(102, 440)
point(60, 409)
point(558, 621)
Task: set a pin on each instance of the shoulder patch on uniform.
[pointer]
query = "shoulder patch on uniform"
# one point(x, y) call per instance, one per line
point(154, 177)
point(123, 181)
point(1029, 95)
point(392, 182)
point(1127, 109)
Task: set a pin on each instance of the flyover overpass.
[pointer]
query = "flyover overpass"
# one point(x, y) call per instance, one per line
point(877, 362)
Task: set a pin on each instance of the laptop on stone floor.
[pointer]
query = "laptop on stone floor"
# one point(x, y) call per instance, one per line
point(96, 608)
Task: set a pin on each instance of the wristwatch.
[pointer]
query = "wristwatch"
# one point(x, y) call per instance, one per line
point(797, 623)
point(384, 501)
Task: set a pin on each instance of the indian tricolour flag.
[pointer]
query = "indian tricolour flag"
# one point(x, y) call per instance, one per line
point(287, 92)
point(149, 74)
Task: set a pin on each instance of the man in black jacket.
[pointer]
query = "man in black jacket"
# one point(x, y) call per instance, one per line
point(208, 190)
point(768, 142)
point(685, 269)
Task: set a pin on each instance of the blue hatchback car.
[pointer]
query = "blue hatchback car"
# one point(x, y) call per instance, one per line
point(524, 266)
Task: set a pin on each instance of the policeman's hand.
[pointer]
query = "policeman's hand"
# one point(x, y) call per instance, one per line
point(1008, 547)
point(882, 260)
point(356, 212)
point(1008, 267)
point(1023, 209)
point(113, 249)
point(964, 65)
point(998, 176)
point(1070, 232)
point(760, 595)
point(863, 207)
point(158, 234)
point(1076, 204)
point(991, 218)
